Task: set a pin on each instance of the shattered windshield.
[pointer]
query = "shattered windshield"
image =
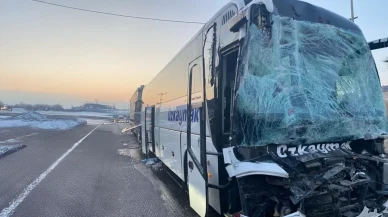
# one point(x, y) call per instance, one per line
point(305, 82)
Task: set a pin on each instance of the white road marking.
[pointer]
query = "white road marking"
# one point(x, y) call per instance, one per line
point(8, 211)
point(17, 138)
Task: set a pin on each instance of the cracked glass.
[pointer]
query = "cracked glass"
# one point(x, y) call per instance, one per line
point(304, 82)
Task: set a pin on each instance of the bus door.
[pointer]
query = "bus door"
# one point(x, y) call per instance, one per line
point(196, 133)
point(196, 171)
point(149, 128)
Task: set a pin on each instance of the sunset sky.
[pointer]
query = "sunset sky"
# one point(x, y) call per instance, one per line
point(56, 55)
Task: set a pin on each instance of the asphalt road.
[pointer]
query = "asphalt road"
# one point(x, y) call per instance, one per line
point(101, 176)
point(93, 170)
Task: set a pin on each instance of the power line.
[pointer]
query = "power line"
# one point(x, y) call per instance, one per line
point(161, 97)
point(119, 15)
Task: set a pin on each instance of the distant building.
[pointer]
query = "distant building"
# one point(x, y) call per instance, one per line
point(94, 107)
point(384, 88)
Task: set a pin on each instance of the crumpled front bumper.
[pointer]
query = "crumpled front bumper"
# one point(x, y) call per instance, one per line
point(299, 214)
point(296, 214)
point(385, 211)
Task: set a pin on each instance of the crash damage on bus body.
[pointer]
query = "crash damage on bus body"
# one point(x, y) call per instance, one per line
point(308, 118)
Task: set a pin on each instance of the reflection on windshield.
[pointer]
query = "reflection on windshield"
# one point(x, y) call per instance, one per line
point(306, 82)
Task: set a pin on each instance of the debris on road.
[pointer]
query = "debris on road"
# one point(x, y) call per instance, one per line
point(124, 152)
point(130, 128)
point(150, 161)
point(157, 166)
point(154, 163)
point(36, 120)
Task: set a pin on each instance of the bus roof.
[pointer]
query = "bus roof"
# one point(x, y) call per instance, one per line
point(238, 3)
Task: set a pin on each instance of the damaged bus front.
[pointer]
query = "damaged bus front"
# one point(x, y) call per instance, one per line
point(309, 121)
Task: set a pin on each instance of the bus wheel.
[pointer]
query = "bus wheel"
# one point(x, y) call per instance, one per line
point(261, 199)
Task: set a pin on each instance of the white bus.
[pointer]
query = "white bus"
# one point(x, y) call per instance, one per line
point(274, 108)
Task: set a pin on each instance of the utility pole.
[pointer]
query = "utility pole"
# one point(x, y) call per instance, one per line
point(351, 8)
point(352, 11)
point(161, 97)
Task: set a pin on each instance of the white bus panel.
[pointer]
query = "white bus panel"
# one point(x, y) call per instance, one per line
point(170, 151)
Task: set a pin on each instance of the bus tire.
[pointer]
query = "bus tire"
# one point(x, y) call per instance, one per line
point(262, 197)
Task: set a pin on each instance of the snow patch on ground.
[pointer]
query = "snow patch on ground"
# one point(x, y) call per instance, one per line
point(9, 141)
point(31, 116)
point(36, 120)
point(7, 148)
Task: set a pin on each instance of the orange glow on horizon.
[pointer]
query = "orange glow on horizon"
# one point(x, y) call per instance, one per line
point(106, 88)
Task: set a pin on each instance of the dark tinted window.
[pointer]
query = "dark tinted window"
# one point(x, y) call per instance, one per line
point(304, 11)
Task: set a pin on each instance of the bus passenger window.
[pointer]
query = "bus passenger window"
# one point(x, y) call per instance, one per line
point(196, 79)
point(228, 83)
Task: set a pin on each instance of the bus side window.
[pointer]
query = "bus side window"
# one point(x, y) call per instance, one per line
point(197, 79)
point(228, 86)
